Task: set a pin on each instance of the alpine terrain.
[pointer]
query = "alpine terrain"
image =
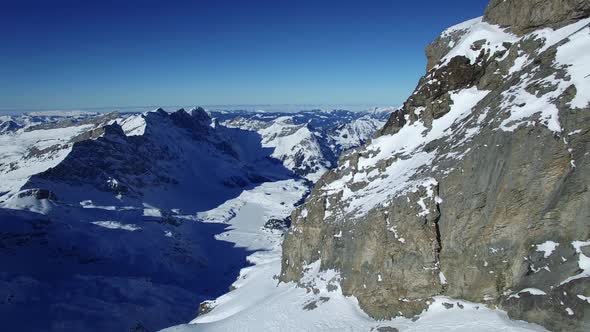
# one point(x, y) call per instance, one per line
point(467, 208)
point(478, 187)
point(116, 221)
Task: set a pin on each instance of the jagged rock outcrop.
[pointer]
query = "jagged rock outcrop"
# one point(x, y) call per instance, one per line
point(477, 188)
point(526, 15)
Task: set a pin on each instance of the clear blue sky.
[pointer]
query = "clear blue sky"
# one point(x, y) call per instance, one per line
point(75, 54)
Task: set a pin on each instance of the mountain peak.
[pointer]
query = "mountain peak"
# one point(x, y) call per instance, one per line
point(201, 115)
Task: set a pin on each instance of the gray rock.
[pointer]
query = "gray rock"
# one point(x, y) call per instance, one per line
point(387, 329)
point(525, 15)
point(448, 305)
point(508, 192)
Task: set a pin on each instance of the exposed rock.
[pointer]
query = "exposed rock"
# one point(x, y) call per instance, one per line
point(68, 122)
point(387, 329)
point(448, 305)
point(278, 224)
point(526, 15)
point(205, 307)
point(38, 194)
point(487, 160)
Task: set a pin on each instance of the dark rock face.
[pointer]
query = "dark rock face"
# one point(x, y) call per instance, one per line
point(525, 15)
point(470, 220)
point(198, 121)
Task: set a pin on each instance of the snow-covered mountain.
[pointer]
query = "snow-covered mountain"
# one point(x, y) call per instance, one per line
point(309, 142)
point(108, 221)
point(465, 209)
point(32, 144)
point(98, 218)
point(469, 208)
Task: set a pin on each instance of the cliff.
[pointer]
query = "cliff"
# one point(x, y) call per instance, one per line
point(477, 188)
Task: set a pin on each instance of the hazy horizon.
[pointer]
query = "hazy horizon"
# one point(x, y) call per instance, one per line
point(287, 108)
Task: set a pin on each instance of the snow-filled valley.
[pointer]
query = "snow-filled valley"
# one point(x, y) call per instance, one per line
point(118, 221)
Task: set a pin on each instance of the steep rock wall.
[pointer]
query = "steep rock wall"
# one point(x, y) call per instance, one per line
point(476, 189)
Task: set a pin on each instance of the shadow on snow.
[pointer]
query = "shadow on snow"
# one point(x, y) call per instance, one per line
point(112, 268)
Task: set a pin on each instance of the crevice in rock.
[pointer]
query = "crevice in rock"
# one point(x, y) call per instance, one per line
point(436, 220)
point(438, 245)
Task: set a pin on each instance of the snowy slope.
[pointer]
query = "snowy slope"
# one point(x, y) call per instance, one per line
point(459, 124)
point(259, 302)
point(39, 143)
point(309, 142)
point(296, 146)
point(107, 237)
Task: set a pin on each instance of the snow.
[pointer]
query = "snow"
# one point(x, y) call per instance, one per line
point(575, 55)
point(30, 203)
point(291, 141)
point(577, 131)
point(355, 133)
point(584, 298)
point(532, 291)
point(522, 105)
point(117, 225)
point(552, 37)
point(463, 26)
point(519, 63)
point(476, 30)
point(395, 234)
point(547, 248)
point(16, 166)
point(281, 307)
point(133, 125)
point(309, 142)
point(397, 178)
point(583, 262)
point(152, 212)
point(259, 302)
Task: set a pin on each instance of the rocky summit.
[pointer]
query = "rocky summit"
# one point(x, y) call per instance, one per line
point(478, 187)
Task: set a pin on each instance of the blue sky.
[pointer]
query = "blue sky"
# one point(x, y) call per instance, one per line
point(78, 54)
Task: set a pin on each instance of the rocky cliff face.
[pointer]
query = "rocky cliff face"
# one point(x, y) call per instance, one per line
point(477, 188)
point(525, 15)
